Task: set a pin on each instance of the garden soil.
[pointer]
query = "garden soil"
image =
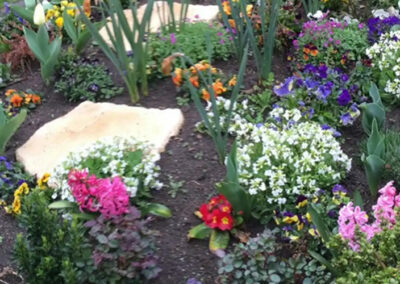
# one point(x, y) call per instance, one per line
point(189, 157)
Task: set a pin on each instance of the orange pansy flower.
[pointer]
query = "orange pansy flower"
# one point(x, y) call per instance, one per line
point(36, 99)
point(219, 87)
point(10, 92)
point(16, 100)
point(206, 95)
point(195, 81)
point(177, 78)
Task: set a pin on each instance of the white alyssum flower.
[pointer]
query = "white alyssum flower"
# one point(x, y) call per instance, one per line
point(110, 156)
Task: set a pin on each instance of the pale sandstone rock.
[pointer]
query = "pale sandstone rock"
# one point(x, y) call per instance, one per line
point(90, 122)
point(161, 14)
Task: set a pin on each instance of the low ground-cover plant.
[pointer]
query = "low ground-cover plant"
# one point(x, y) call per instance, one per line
point(84, 79)
point(377, 27)
point(367, 250)
point(325, 95)
point(278, 162)
point(384, 55)
point(14, 101)
point(260, 261)
point(124, 250)
point(335, 43)
point(220, 83)
point(129, 159)
point(191, 41)
point(12, 179)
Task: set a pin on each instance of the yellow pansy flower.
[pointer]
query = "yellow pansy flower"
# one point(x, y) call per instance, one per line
point(60, 22)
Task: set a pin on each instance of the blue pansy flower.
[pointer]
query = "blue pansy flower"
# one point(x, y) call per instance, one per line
point(285, 88)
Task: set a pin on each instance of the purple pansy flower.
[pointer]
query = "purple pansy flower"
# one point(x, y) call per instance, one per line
point(344, 98)
point(285, 88)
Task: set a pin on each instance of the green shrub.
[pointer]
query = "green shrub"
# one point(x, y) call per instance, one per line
point(51, 248)
point(84, 79)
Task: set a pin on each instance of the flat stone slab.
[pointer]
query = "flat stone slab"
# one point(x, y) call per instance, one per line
point(89, 122)
point(161, 13)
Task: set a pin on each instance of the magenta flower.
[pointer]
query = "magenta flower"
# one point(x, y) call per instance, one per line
point(107, 196)
point(337, 42)
point(360, 26)
point(173, 38)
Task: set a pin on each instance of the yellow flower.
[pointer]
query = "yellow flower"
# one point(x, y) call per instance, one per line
point(16, 206)
point(49, 15)
point(308, 216)
point(2, 202)
point(232, 82)
point(300, 226)
point(64, 3)
point(71, 9)
point(302, 203)
point(249, 10)
point(60, 22)
point(43, 180)
point(290, 220)
point(294, 238)
point(22, 189)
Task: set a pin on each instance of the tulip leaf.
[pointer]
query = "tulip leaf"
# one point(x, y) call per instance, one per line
point(23, 13)
point(157, 209)
point(376, 141)
point(8, 126)
point(219, 240)
point(319, 223)
point(61, 204)
point(200, 231)
point(373, 169)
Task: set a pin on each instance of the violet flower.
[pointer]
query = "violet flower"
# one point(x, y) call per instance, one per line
point(285, 88)
point(344, 98)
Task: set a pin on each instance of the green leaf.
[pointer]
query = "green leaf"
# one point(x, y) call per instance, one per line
point(30, 4)
point(275, 278)
point(372, 111)
point(375, 144)
point(31, 39)
point(358, 201)
point(61, 204)
point(241, 201)
point(102, 239)
point(158, 209)
point(219, 240)
point(200, 231)
point(70, 28)
point(319, 223)
point(321, 259)
point(374, 93)
point(9, 127)
point(373, 169)
point(23, 13)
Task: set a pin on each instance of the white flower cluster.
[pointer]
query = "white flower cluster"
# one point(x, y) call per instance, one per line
point(223, 105)
point(385, 55)
point(281, 164)
point(110, 153)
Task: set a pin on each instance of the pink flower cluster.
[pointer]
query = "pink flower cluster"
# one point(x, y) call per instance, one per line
point(384, 213)
point(105, 195)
